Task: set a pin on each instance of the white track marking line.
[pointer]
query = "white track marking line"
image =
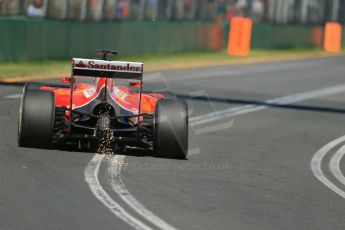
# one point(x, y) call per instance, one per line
point(91, 177)
point(316, 166)
point(91, 172)
point(13, 96)
point(226, 71)
point(334, 164)
point(206, 118)
point(114, 173)
point(213, 128)
point(232, 112)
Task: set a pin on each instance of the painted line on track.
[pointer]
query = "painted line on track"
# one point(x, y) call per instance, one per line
point(334, 165)
point(91, 177)
point(114, 173)
point(13, 96)
point(290, 99)
point(316, 165)
point(91, 172)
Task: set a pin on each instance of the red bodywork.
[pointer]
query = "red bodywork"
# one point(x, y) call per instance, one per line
point(122, 95)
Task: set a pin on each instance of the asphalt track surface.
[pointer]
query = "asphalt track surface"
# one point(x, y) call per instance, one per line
point(254, 169)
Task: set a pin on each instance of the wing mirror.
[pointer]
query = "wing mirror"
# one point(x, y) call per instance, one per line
point(135, 85)
point(66, 80)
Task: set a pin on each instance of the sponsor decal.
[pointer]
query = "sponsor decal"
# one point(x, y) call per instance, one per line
point(120, 94)
point(106, 65)
point(89, 92)
point(81, 64)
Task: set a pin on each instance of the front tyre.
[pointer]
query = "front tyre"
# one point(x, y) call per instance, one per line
point(171, 129)
point(36, 119)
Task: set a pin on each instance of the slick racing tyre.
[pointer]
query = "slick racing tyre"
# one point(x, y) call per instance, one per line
point(171, 129)
point(36, 119)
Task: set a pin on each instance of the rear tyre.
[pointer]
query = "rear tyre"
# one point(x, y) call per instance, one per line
point(171, 129)
point(36, 119)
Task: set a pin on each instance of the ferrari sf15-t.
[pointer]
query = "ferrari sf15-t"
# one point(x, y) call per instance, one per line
point(109, 108)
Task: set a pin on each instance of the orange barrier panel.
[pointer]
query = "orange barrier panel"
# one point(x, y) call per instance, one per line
point(317, 36)
point(333, 33)
point(216, 35)
point(240, 36)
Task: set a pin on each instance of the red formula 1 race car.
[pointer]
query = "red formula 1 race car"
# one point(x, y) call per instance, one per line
point(108, 108)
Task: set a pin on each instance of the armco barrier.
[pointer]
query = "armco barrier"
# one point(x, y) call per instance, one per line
point(35, 39)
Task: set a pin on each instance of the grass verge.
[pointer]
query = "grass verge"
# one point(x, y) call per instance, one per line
point(11, 72)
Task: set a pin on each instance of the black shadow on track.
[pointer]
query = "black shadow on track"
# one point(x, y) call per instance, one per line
point(261, 103)
point(219, 100)
point(18, 84)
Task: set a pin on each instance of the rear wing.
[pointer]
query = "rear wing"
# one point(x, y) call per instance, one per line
point(107, 69)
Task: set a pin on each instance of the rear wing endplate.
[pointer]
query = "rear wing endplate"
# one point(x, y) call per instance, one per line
point(107, 69)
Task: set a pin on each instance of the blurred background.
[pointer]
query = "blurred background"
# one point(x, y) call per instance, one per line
point(271, 11)
point(60, 29)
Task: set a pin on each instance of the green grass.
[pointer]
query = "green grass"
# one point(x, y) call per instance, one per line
point(193, 56)
point(223, 54)
point(23, 69)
